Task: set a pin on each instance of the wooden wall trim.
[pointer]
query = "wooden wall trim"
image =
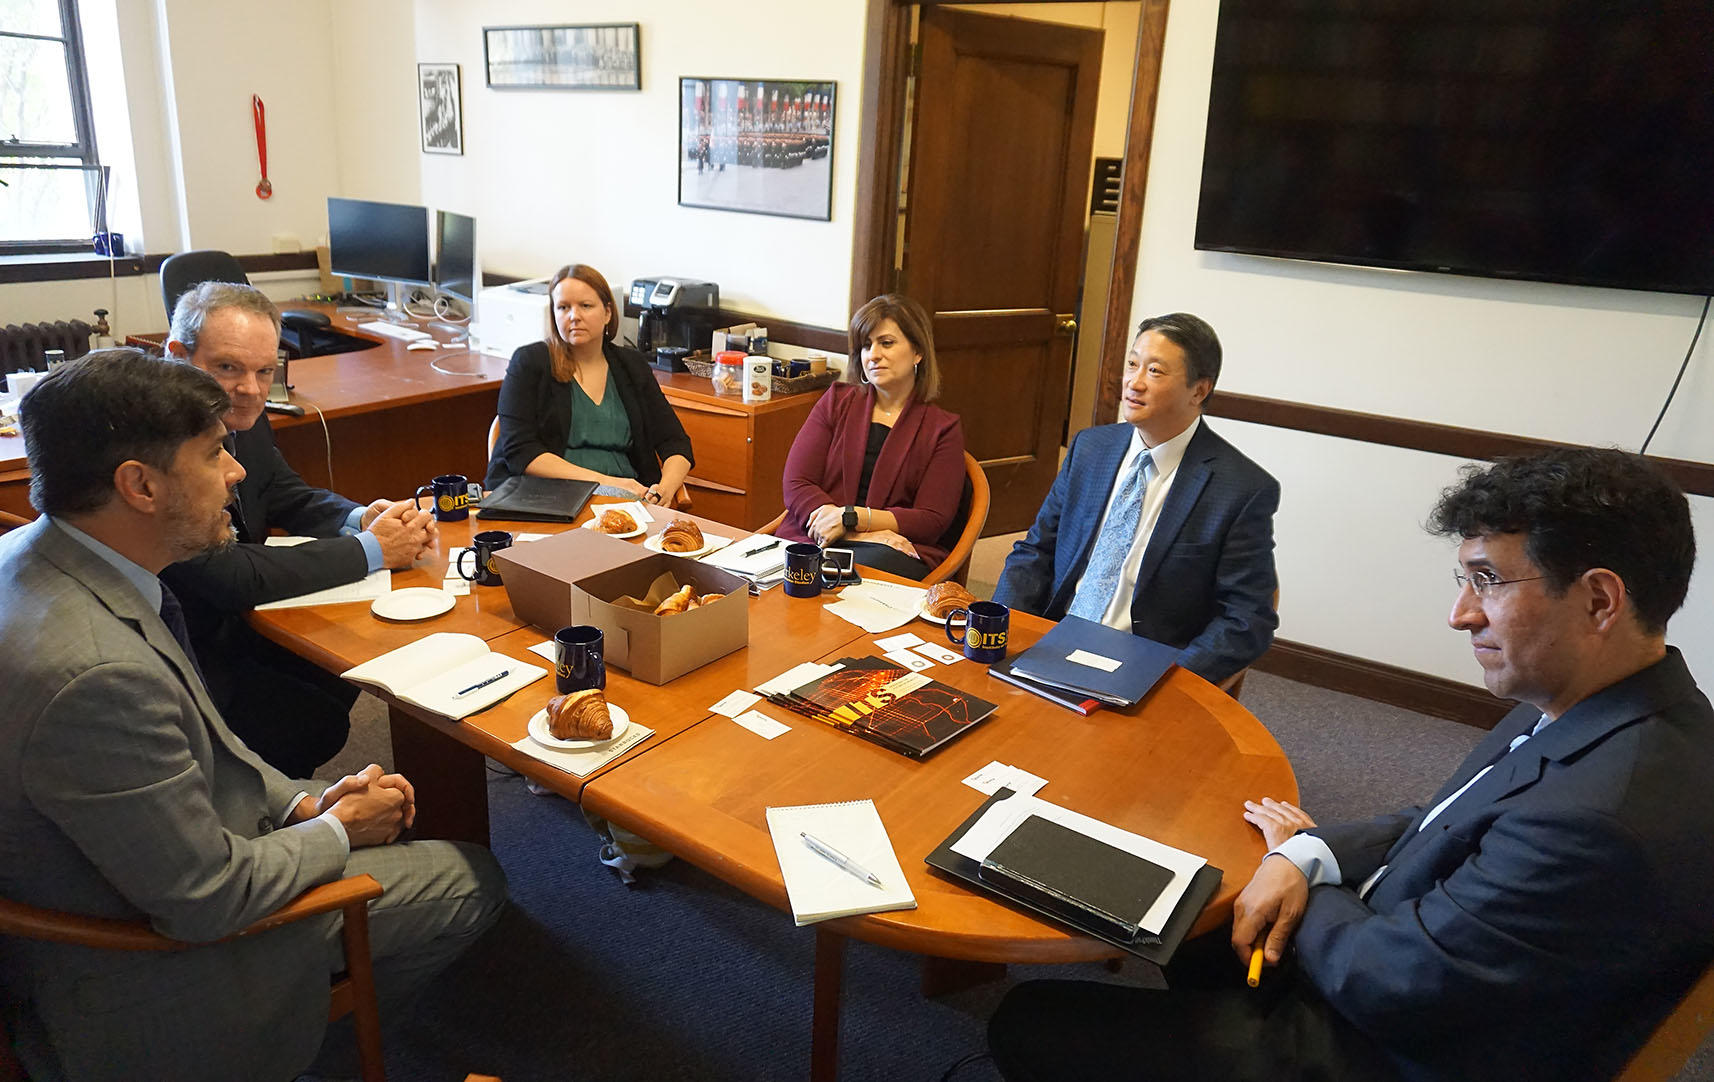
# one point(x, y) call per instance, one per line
point(49, 269)
point(1128, 231)
point(1696, 478)
point(1390, 684)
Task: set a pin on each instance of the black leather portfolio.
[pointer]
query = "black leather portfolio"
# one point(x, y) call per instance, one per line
point(1081, 880)
point(1157, 949)
point(536, 499)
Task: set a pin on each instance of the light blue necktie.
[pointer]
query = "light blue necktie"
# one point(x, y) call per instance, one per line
point(1101, 577)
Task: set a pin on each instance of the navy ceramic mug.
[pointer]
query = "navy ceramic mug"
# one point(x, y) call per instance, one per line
point(984, 632)
point(809, 571)
point(577, 664)
point(453, 494)
point(483, 547)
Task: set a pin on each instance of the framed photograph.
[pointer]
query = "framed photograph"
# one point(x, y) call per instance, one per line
point(438, 90)
point(760, 146)
point(596, 57)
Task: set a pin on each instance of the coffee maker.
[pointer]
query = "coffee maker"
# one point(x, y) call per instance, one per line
point(678, 315)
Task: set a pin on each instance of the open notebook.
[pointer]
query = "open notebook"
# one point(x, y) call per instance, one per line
point(818, 888)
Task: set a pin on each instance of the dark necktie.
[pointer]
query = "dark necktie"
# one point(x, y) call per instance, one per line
point(172, 614)
point(236, 507)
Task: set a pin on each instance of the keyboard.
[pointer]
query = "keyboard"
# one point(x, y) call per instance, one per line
point(394, 330)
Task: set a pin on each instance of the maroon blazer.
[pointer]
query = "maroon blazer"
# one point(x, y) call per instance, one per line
point(919, 476)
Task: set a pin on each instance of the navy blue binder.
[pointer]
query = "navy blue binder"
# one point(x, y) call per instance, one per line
point(1119, 668)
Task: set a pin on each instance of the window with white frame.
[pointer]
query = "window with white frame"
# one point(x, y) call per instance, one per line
point(50, 177)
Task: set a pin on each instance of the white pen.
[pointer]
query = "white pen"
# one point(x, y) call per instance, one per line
point(501, 675)
point(827, 852)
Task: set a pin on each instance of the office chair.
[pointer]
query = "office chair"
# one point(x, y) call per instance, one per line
point(9, 521)
point(184, 271)
point(352, 994)
point(1677, 1037)
point(960, 536)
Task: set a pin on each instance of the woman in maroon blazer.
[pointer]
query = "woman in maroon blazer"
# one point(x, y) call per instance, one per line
point(878, 467)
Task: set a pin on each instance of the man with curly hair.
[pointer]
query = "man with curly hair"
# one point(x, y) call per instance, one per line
point(1541, 913)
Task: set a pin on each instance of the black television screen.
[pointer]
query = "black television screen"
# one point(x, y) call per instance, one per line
point(1554, 140)
point(455, 255)
point(384, 241)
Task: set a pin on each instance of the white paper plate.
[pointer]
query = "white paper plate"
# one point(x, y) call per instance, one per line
point(541, 734)
point(710, 543)
point(924, 614)
point(414, 603)
point(592, 525)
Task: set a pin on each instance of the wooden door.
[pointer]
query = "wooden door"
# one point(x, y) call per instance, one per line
point(1003, 133)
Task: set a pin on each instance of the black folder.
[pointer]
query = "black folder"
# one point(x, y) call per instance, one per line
point(537, 499)
point(1080, 880)
point(1156, 949)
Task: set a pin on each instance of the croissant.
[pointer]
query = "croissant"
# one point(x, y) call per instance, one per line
point(677, 603)
point(582, 715)
point(709, 599)
point(617, 522)
point(943, 597)
point(681, 535)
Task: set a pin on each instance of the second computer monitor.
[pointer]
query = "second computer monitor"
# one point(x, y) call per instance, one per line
point(455, 260)
point(388, 242)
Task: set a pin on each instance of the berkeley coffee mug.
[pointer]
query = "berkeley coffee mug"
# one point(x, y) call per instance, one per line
point(809, 570)
point(577, 664)
point(983, 632)
point(453, 494)
point(483, 547)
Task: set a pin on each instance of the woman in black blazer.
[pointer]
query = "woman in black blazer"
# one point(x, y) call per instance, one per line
point(577, 405)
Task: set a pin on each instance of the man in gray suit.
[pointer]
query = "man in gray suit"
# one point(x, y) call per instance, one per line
point(123, 794)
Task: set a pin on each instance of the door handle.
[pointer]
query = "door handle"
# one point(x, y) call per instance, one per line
point(1067, 325)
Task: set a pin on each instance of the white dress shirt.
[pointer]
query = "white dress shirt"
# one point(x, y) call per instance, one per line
point(1167, 456)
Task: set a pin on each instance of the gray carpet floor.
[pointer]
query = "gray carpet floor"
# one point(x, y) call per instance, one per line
point(683, 977)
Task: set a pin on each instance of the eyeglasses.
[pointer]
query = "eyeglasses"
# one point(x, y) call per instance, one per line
point(1481, 581)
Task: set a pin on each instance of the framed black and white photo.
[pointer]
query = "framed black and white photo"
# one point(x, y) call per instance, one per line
point(442, 108)
point(759, 146)
point(595, 57)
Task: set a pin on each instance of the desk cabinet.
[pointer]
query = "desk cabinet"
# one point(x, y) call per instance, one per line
point(740, 448)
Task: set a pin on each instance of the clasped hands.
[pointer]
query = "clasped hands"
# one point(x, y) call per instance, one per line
point(1270, 906)
point(373, 807)
point(404, 530)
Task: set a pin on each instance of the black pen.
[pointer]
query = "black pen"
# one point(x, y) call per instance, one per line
point(501, 675)
point(765, 546)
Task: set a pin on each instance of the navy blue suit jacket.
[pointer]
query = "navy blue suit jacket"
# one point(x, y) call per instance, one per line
point(1549, 917)
point(1207, 579)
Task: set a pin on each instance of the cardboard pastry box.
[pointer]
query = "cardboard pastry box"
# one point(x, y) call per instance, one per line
point(577, 580)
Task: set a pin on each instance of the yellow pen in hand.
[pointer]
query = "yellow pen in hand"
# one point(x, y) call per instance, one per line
point(1255, 977)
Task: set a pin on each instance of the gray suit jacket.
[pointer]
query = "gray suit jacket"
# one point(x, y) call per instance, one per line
point(123, 794)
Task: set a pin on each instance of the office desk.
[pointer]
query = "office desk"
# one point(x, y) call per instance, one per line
point(1176, 768)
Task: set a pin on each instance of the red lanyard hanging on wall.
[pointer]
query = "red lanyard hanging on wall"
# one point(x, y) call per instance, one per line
point(264, 188)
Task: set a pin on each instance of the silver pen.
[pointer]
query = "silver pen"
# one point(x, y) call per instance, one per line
point(827, 852)
point(497, 677)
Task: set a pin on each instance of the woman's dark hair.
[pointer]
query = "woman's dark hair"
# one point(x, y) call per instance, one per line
point(1200, 344)
point(913, 323)
point(559, 350)
point(1580, 508)
point(114, 405)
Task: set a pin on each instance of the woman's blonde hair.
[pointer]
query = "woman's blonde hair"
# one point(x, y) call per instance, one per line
point(559, 350)
point(913, 323)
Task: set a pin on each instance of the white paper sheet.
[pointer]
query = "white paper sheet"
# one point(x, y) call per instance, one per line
point(913, 661)
point(761, 724)
point(997, 775)
point(375, 584)
point(898, 642)
point(735, 704)
point(585, 762)
point(936, 652)
point(795, 677)
point(543, 649)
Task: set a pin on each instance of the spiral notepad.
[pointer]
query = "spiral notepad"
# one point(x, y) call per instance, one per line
point(821, 890)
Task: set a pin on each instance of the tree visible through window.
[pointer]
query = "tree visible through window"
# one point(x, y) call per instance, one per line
point(51, 189)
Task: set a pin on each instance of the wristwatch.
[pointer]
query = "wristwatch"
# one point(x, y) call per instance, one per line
point(849, 519)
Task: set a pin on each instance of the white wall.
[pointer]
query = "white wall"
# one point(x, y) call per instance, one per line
point(591, 176)
point(1558, 362)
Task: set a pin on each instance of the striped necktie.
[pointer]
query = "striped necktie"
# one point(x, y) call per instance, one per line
point(1101, 577)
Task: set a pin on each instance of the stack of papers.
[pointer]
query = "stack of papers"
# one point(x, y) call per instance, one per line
point(375, 585)
point(759, 559)
point(878, 606)
point(795, 677)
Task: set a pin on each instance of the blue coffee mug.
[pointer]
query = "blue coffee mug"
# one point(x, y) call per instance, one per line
point(984, 632)
point(577, 663)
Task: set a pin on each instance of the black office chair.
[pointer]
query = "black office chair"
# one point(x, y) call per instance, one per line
point(182, 272)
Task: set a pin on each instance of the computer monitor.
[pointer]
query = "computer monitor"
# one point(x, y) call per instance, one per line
point(455, 270)
point(388, 242)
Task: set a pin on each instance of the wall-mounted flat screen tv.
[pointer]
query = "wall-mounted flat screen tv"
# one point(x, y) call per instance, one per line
point(1553, 140)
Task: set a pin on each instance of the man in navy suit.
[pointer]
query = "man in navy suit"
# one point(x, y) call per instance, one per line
point(1156, 525)
point(1537, 916)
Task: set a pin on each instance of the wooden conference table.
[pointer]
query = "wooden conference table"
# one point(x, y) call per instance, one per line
point(1176, 768)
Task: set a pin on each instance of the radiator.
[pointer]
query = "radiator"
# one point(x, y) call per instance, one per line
point(22, 347)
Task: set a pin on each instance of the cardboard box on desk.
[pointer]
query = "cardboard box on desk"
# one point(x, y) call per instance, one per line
point(658, 649)
point(573, 577)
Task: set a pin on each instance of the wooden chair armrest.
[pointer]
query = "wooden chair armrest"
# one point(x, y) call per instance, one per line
point(106, 933)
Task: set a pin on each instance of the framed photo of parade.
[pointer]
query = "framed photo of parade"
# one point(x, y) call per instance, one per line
point(438, 91)
point(757, 146)
point(592, 57)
